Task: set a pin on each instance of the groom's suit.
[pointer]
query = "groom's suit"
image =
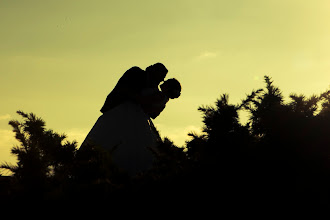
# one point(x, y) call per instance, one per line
point(134, 80)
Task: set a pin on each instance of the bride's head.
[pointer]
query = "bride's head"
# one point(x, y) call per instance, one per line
point(171, 88)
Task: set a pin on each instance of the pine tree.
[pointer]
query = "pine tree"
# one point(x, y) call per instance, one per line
point(42, 154)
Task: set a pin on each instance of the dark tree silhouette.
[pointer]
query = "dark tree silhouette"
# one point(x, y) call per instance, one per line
point(282, 152)
point(42, 154)
point(280, 156)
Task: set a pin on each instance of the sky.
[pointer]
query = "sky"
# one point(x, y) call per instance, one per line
point(60, 58)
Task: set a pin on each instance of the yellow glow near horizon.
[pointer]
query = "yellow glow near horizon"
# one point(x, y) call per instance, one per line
point(60, 59)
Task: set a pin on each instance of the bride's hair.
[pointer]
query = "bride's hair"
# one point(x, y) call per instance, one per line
point(173, 88)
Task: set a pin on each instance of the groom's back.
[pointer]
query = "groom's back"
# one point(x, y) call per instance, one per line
point(134, 79)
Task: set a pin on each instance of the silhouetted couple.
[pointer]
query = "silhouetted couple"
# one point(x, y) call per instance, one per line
point(126, 126)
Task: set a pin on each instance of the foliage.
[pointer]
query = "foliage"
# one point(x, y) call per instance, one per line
point(42, 154)
point(280, 155)
point(284, 146)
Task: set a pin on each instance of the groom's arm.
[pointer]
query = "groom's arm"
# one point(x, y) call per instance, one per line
point(135, 81)
point(131, 83)
point(126, 88)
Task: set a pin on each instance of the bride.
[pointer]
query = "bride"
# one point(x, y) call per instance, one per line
point(126, 129)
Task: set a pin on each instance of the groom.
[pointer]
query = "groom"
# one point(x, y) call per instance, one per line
point(131, 84)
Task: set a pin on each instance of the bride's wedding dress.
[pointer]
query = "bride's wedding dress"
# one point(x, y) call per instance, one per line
point(126, 130)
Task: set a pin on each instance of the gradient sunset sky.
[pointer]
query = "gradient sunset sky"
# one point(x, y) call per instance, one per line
point(60, 58)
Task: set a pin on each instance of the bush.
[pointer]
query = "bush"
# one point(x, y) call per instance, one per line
point(280, 156)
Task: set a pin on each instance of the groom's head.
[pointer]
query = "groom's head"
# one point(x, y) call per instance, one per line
point(157, 73)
